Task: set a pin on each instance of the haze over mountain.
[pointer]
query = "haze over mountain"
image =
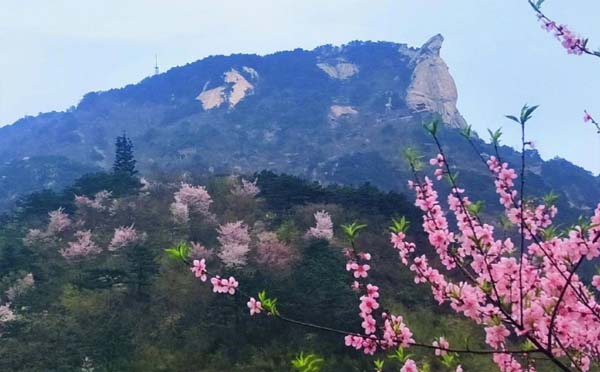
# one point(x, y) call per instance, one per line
point(332, 114)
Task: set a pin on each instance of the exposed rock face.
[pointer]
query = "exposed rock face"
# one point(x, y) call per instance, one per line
point(336, 111)
point(212, 98)
point(432, 87)
point(340, 71)
point(235, 89)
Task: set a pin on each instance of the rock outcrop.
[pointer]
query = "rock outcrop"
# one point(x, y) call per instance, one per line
point(340, 71)
point(432, 88)
point(234, 90)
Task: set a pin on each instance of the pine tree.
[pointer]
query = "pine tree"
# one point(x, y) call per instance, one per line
point(124, 160)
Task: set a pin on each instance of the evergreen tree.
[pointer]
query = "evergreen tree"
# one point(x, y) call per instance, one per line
point(124, 160)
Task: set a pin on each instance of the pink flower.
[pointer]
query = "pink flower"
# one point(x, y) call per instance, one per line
point(82, 247)
point(123, 237)
point(323, 228)
point(221, 285)
point(235, 243)
point(254, 306)
point(409, 366)
point(587, 117)
point(245, 188)
point(199, 269)
point(442, 344)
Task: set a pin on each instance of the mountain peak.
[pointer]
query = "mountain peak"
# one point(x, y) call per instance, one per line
point(433, 45)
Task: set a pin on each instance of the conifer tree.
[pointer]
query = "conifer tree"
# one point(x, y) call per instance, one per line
point(124, 161)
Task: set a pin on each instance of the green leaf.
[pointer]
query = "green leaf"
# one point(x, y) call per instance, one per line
point(432, 126)
point(513, 118)
point(526, 113)
point(307, 363)
point(475, 208)
point(378, 364)
point(181, 251)
point(352, 230)
point(400, 225)
point(413, 158)
point(268, 304)
point(550, 199)
point(495, 136)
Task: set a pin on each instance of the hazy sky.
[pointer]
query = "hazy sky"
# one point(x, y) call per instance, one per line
point(53, 52)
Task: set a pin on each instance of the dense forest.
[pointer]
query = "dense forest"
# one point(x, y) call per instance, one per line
point(124, 305)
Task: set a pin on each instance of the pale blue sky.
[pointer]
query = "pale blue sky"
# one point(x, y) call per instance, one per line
point(53, 52)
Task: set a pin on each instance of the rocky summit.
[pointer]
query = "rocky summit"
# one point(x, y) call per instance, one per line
point(333, 114)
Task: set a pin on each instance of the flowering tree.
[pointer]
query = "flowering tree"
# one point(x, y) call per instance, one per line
point(245, 188)
point(526, 295)
point(82, 247)
point(123, 237)
point(323, 228)
point(272, 252)
point(235, 243)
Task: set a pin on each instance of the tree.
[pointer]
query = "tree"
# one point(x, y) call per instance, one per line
point(124, 160)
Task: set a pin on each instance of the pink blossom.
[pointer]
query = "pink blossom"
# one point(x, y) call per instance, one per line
point(82, 247)
point(6, 313)
point(180, 212)
point(59, 222)
point(21, 286)
point(254, 306)
point(409, 366)
point(272, 252)
point(199, 269)
point(123, 237)
point(199, 251)
point(221, 285)
point(100, 201)
point(323, 228)
point(441, 344)
point(196, 198)
point(245, 189)
point(235, 243)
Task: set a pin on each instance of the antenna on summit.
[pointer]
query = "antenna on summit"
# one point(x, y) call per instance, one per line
point(156, 64)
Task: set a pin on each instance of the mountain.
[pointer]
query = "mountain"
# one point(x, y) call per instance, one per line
point(333, 114)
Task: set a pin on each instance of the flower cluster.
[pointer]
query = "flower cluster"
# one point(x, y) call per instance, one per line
point(235, 243)
point(537, 296)
point(222, 285)
point(123, 237)
point(190, 199)
point(199, 269)
point(245, 188)
point(272, 252)
point(101, 201)
point(82, 247)
point(59, 222)
point(571, 42)
point(21, 286)
point(323, 228)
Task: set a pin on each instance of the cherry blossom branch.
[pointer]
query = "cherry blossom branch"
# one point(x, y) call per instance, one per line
point(572, 43)
point(588, 118)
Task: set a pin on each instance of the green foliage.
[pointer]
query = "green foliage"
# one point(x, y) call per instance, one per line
point(124, 163)
point(400, 355)
point(307, 363)
point(179, 252)
point(268, 304)
point(432, 126)
point(352, 230)
point(495, 136)
point(400, 225)
point(476, 208)
point(413, 158)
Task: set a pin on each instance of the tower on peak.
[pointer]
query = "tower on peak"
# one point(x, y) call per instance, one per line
point(156, 64)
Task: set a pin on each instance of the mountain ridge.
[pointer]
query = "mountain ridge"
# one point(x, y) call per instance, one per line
point(316, 113)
